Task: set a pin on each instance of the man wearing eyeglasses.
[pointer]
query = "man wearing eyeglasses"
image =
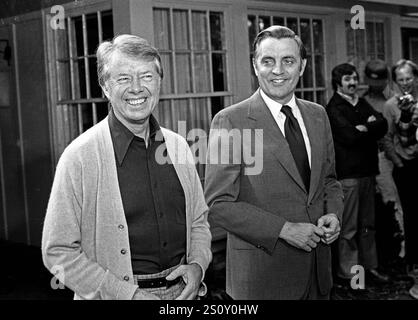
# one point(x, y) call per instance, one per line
point(401, 147)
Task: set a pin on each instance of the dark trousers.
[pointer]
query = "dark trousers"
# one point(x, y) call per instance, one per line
point(312, 291)
point(406, 179)
point(357, 244)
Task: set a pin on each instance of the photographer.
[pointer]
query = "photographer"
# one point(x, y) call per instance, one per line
point(401, 147)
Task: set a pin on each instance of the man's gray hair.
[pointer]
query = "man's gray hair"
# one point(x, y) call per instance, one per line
point(130, 45)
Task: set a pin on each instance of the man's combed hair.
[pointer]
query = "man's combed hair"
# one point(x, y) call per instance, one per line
point(279, 32)
point(339, 71)
point(402, 63)
point(130, 45)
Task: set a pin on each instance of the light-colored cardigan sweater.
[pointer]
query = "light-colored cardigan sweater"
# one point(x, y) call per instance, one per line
point(83, 234)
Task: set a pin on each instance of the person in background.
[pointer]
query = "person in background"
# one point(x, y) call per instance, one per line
point(356, 128)
point(401, 147)
point(123, 222)
point(388, 209)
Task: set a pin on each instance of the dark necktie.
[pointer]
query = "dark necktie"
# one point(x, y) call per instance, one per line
point(297, 146)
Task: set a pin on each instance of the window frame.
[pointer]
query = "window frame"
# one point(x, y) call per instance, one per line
point(60, 135)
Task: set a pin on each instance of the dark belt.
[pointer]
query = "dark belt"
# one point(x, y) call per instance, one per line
point(157, 282)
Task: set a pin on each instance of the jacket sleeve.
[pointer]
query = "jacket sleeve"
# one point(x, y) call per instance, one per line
point(222, 187)
point(342, 130)
point(378, 128)
point(333, 194)
point(388, 140)
point(200, 236)
point(61, 240)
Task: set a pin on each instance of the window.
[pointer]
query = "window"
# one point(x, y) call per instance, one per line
point(76, 94)
point(194, 56)
point(312, 84)
point(364, 45)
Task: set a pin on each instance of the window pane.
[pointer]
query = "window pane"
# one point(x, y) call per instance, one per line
point(183, 74)
point(263, 22)
point(107, 25)
point(202, 72)
point(86, 116)
point(79, 79)
point(370, 40)
point(95, 90)
point(308, 95)
point(92, 32)
point(77, 29)
point(252, 31)
point(181, 112)
point(350, 41)
point(102, 109)
point(319, 71)
point(217, 104)
point(318, 36)
point(161, 29)
point(292, 23)
point(320, 98)
point(307, 78)
point(219, 72)
point(360, 42)
point(380, 38)
point(164, 114)
point(202, 115)
point(167, 82)
point(217, 33)
point(278, 21)
point(181, 29)
point(199, 29)
point(305, 34)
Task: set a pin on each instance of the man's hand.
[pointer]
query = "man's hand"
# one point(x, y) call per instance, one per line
point(330, 224)
point(371, 119)
point(304, 236)
point(362, 128)
point(192, 274)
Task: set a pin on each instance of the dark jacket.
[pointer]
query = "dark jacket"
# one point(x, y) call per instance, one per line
point(355, 151)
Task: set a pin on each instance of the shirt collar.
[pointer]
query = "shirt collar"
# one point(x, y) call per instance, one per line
point(275, 107)
point(353, 101)
point(122, 136)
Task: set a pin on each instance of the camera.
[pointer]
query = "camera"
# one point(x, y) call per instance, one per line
point(406, 101)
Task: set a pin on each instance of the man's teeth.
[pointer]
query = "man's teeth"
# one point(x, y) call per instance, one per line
point(278, 80)
point(135, 102)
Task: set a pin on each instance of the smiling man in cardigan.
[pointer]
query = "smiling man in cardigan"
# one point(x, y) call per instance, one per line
point(121, 223)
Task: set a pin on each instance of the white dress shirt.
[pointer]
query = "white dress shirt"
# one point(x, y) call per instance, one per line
point(275, 109)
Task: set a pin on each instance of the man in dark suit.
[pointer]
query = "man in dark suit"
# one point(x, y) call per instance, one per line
point(282, 209)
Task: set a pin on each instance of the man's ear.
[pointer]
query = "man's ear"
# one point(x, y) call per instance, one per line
point(302, 67)
point(105, 91)
point(255, 67)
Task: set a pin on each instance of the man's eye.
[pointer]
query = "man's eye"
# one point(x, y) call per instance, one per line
point(267, 61)
point(288, 61)
point(147, 77)
point(123, 79)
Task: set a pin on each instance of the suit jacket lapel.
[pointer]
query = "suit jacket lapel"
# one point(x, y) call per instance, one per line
point(261, 117)
point(313, 126)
